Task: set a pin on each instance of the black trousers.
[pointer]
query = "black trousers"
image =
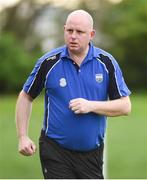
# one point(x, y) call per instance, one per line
point(60, 163)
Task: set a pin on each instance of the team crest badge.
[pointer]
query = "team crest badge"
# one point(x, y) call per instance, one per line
point(62, 82)
point(99, 78)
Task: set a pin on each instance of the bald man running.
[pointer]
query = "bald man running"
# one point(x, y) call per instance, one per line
point(78, 79)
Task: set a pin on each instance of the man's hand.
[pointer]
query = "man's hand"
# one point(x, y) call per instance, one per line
point(26, 146)
point(80, 105)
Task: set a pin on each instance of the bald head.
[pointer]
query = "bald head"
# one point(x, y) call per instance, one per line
point(78, 32)
point(81, 15)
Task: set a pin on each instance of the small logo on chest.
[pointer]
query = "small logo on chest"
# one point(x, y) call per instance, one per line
point(99, 77)
point(62, 82)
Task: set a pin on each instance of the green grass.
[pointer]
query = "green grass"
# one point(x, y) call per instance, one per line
point(126, 142)
point(12, 164)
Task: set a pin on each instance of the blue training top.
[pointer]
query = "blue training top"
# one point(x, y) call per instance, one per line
point(98, 78)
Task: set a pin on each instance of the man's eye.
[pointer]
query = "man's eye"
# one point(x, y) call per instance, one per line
point(70, 30)
point(80, 32)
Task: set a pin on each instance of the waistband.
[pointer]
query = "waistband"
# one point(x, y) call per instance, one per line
point(57, 145)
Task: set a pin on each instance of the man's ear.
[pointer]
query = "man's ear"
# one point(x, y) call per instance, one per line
point(93, 32)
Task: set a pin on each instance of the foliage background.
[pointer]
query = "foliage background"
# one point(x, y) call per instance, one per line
point(30, 28)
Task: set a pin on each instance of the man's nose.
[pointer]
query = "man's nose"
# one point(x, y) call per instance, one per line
point(74, 34)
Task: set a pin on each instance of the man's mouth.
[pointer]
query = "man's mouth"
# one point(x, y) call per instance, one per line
point(73, 44)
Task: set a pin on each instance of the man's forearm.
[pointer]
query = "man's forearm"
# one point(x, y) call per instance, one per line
point(23, 111)
point(116, 107)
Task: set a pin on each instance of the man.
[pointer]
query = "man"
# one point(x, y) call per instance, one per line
point(83, 85)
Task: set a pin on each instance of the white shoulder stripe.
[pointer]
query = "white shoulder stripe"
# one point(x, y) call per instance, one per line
point(103, 65)
point(34, 77)
point(51, 69)
point(114, 74)
point(116, 80)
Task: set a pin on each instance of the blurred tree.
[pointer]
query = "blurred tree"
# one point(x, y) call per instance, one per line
point(121, 30)
point(19, 20)
point(19, 46)
point(126, 29)
point(14, 64)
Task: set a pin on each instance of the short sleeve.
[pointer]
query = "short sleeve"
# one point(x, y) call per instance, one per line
point(117, 85)
point(35, 82)
point(37, 78)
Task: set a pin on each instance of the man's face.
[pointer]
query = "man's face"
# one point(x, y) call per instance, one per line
point(77, 35)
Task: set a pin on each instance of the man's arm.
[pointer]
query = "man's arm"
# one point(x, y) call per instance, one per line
point(116, 107)
point(23, 112)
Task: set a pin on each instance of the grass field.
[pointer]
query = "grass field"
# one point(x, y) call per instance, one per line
point(126, 142)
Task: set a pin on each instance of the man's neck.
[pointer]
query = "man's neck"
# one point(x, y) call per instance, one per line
point(79, 57)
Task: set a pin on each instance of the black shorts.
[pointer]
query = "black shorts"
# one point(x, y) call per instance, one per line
point(60, 163)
